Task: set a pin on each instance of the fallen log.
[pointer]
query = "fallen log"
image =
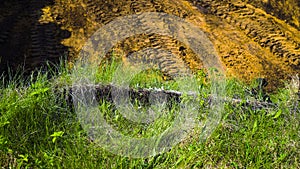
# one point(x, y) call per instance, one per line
point(144, 96)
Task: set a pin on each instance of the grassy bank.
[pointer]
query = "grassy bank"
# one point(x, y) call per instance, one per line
point(39, 130)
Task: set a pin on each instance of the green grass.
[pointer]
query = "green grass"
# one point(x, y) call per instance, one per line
point(39, 130)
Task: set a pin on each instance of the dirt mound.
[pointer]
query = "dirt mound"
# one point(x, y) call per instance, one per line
point(250, 42)
point(262, 45)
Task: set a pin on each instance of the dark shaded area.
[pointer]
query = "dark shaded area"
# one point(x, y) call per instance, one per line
point(27, 44)
point(259, 92)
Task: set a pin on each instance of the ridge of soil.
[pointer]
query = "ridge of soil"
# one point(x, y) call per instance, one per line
point(250, 42)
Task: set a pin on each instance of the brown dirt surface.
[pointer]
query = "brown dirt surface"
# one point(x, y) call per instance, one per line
point(249, 41)
point(287, 10)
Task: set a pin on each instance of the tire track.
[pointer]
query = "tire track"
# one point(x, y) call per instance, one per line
point(249, 41)
point(27, 42)
point(45, 39)
point(170, 65)
point(12, 34)
point(5, 28)
point(263, 30)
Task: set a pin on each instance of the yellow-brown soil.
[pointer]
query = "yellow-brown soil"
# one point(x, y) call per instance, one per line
point(287, 10)
point(250, 42)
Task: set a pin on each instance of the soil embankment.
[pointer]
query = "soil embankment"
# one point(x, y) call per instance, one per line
point(250, 42)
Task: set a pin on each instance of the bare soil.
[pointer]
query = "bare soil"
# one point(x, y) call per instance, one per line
point(251, 41)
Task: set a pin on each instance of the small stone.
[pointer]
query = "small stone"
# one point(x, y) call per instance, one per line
point(115, 9)
point(147, 40)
